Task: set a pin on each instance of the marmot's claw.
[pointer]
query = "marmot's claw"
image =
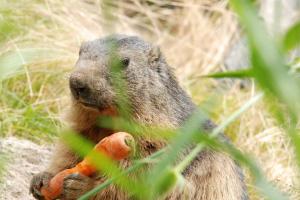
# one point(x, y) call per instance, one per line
point(37, 182)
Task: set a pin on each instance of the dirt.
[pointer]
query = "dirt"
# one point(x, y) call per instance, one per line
point(23, 159)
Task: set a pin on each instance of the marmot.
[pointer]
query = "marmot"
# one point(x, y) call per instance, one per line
point(156, 99)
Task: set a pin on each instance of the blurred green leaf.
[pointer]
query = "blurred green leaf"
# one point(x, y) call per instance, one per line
point(270, 71)
point(9, 64)
point(244, 73)
point(167, 181)
point(216, 131)
point(266, 57)
point(183, 137)
point(264, 187)
point(7, 29)
point(293, 131)
point(13, 61)
point(292, 37)
point(132, 127)
point(190, 130)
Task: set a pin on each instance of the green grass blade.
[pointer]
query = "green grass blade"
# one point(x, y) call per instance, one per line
point(292, 37)
point(269, 68)
point(185, 135)
point(266, 57)
point(220, 128)
point(264, 187)
point(10, 63)
point(244, 73)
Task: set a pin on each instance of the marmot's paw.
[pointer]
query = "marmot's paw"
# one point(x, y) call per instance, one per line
point(37, 182)
point(75, 185)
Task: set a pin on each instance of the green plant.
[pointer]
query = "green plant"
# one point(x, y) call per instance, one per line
point(268, 69)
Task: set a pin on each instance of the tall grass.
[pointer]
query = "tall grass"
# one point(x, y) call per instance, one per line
point(39, 46)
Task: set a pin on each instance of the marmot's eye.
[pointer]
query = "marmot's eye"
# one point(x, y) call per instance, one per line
point(125, 62)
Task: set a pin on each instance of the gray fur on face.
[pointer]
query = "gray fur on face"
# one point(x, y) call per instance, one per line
point(151, 86)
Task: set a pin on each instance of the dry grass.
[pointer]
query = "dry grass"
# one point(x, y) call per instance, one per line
point(194, 35)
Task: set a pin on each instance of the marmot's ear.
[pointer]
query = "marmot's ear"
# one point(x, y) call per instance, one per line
point(154, 56)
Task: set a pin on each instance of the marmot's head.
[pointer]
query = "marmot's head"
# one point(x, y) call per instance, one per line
point(148, 79)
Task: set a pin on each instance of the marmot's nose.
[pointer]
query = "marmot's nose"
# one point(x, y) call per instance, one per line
point(78, 86)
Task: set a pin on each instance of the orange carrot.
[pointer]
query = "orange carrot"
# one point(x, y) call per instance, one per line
point(115, 146)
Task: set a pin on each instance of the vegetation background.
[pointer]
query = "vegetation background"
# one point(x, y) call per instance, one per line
point(39, 46)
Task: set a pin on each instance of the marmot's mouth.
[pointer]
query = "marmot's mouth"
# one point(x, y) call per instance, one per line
point(106, 111)
point(88, 105)
point(102, 113)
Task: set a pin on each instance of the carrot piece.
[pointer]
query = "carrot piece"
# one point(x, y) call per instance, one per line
point(117, 146)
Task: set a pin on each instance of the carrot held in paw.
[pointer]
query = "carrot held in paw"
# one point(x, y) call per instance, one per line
point(117, 146)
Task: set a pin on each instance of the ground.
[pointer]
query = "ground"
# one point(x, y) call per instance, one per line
point(25, 159)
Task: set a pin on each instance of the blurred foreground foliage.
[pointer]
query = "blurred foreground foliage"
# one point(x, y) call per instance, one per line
point(269, 69)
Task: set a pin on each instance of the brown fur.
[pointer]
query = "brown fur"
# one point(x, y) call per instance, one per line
point(156, 99)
